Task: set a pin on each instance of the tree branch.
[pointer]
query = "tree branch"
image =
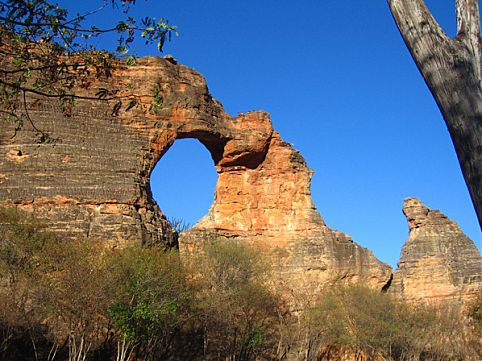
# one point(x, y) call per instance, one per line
point(413, 16)
point(48, 95)
point(423, 37)
point(27, 113)
point(452, 70)
point(43, 68)
point(71, 28)
point(468, 18)
point(468, 29)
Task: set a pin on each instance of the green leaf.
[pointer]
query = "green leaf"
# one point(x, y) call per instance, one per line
point(131, 60)
point(132, 103)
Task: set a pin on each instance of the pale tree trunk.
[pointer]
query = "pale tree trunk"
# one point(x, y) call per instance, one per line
point(452, 70)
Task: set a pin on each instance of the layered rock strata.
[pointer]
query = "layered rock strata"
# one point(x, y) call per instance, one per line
point(438, 261)
point(91, 180)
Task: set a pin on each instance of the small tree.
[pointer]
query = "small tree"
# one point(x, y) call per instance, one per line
point(238, 310)
point(71, 295)
point(150, 301)
point(21, 237)
point(474, 312)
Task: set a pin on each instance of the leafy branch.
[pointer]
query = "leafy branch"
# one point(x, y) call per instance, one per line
point(45, 52)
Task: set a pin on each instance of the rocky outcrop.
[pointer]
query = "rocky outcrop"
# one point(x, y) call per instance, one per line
point(438, 262)
point(92, 180)
point(270, 207)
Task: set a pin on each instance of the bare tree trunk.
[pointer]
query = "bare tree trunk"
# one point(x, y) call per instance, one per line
point(452, 70)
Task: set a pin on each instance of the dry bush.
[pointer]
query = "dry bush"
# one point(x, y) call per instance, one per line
point(237, 310)
point(374, 326)
point(52, 288)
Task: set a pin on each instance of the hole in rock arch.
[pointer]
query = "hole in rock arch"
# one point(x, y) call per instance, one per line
point(183, 181)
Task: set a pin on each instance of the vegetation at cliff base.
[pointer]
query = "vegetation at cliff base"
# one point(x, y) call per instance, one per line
point(374, 325)
point(74, 300)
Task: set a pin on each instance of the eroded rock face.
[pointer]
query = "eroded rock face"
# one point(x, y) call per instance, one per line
point(438, 262)
point(92, 181)
point(270, 207)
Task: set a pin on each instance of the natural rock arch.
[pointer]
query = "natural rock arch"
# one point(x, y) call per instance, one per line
point(93, 181)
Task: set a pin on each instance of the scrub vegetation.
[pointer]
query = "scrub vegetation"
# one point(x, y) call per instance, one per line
point(71, 300)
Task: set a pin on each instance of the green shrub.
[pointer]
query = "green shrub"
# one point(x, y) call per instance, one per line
point(151, 299)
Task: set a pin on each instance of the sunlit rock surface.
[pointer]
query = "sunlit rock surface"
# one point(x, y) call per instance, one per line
point(92, 180)
point(438, 261)
point(269, 205)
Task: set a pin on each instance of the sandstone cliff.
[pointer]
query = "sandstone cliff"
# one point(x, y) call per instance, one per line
point(438, 262)
point(92, 180)
point(270, 207)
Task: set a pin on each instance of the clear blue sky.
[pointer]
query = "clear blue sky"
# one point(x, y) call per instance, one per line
point(341, 87)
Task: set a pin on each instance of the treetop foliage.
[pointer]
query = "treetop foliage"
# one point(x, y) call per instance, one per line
point(47, 22)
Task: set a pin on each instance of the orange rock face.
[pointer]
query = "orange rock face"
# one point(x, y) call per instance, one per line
point(438, 262)
point(93, 181)
point(263, 198)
